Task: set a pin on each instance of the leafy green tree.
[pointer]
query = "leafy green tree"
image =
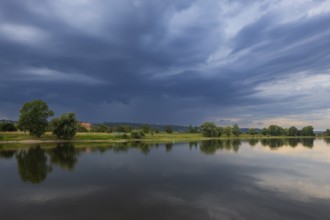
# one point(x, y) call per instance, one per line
point(227, 131)
point(137, 134)
point(65, 126)
point(265, 131)
point(276, 130)
point(293, 131)
point(146, 128)
point(220, 131)
point(7, 127)
point(252, 131)
point(102, 128)
point(209, 129)
point(327, 132)
point(168, 129)
point(236, 130)
point(33, 117)
point(307, 131)
point(122, 128)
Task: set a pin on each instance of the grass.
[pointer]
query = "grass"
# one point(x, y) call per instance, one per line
point(157, 137)
point(22, 136)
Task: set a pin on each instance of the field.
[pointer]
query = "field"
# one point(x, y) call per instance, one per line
point(22, 137)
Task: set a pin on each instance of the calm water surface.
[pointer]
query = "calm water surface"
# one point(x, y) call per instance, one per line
point(237, 179)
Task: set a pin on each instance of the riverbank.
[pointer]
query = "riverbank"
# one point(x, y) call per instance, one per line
point(25, 138)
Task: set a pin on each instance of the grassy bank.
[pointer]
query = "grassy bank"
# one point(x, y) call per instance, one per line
point(22, 137)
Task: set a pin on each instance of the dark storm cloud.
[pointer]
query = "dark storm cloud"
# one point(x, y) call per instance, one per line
point(171, 61)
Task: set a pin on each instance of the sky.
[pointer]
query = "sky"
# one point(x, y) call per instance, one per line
point(254, 63)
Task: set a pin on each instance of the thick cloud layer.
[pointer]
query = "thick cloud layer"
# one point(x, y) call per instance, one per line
point(182, 61)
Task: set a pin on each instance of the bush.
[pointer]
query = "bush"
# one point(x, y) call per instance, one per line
point(82, 128)
point(137, 134)
point(7, 127)
point(168, 129)
point(209, 129)
point(65, 126)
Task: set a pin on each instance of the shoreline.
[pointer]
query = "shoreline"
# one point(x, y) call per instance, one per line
point(157, 140)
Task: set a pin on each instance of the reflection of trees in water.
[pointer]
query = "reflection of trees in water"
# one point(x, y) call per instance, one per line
point(327, 140)
point(193, 145)
point(273, 143)
point(168, 147)
point(7, 154)
point(142, 146)
point(253, 142)
point(64, 155)
point(292, 142)
point(308, 142)
point(32, 165)
point(211, 146)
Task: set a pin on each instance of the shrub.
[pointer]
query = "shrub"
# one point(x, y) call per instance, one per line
point(65, 126)
point(209, 129)
point(137, 134)
point(7, 127)
point(168, 129)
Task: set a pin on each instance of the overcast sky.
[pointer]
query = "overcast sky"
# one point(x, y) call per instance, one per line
point(254, 63)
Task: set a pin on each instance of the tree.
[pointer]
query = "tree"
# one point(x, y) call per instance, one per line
point(236, 130)
point(209, 129)
point(265, 131)
point(137, 134)
point(102, 128)
point(220, 131)
point(293, 131)
point(65, 126)
point(146, 128)
point(327, 132)
point(307, 131)
point(33, 117)
point(168, 129)
point(192, 129)
point(7, 127)
point(275, 130)
point(252, 131)
point(227, 130)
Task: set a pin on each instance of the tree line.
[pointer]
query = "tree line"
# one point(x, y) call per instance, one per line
point(34, 119)
point(124, 128)
point(210, 129)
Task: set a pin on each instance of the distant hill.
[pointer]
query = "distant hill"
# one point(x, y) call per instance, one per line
point(160, 127)
point(7, 121)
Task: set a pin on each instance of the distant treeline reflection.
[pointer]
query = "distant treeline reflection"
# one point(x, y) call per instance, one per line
point(35, 163)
